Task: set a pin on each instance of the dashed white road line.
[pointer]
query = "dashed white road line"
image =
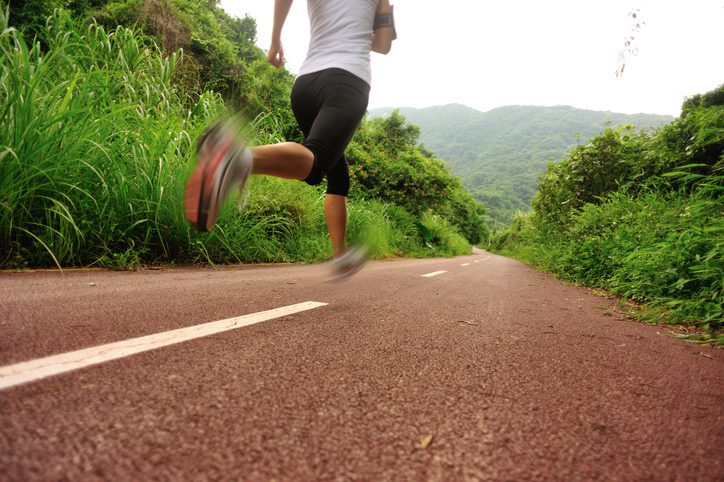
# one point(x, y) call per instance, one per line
point(29, 371)
point(465, 264)
point(434, 273)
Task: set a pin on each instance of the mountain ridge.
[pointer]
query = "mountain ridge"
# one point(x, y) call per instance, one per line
point(500, 154)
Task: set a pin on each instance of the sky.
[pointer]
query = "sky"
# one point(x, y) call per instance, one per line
point(487, 54)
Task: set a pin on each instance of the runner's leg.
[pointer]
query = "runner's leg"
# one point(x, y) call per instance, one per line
point(329, 106)
point(287, 159)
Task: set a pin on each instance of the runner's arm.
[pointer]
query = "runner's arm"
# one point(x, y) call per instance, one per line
point(276, 51)
point(382, 37)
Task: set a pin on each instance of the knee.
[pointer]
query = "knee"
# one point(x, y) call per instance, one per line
point(315, 177)
point(318, 167)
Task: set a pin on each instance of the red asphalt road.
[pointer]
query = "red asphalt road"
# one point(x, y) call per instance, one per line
point(490, 371)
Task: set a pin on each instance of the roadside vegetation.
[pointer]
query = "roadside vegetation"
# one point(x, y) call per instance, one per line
point(640, 216)
point(98, 135)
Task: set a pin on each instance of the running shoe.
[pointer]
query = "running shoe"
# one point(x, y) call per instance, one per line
point(343, 267)
point(220, 167)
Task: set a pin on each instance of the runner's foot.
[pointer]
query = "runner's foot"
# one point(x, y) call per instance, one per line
point(343, 267)
point(222, 164)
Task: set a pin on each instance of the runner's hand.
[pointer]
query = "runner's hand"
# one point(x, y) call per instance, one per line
point(276, 54)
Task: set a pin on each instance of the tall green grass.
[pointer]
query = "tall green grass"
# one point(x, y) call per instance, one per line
point(662, 248)
point(95, 146)
point(97, 142)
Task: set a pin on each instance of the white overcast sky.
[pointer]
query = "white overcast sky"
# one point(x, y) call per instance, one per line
point(487, 54)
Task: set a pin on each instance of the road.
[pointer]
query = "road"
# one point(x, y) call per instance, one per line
point(487, 370)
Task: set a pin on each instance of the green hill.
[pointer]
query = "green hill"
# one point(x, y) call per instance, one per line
point(500, 154)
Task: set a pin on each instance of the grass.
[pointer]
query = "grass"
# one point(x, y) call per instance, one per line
point(94, 142)
point(662, 249)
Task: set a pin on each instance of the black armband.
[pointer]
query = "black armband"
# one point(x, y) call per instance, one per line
point(383, 20)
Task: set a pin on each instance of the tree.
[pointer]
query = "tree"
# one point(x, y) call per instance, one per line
point(394, 134)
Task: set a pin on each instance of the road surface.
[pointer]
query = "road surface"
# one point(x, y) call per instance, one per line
point(483, 369)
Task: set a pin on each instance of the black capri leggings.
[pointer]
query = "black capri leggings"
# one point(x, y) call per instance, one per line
point(329, 106)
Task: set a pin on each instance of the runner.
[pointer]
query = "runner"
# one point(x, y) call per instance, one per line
point(329, 99)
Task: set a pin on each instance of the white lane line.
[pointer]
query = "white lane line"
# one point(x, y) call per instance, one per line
point(482, 259)
point(29, 371)
point(434, 273)
point(465, 264)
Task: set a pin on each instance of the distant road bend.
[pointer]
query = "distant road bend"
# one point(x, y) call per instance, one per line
point(469, 368)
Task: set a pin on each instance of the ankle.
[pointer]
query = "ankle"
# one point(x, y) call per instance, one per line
point(247, 156)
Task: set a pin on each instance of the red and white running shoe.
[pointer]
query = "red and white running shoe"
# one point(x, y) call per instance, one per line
point(221, 166)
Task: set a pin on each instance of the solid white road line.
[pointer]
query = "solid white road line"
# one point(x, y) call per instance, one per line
point(29, 371)
point(434, 273)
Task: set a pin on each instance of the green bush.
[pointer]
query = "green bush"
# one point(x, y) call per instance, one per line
point(30, 15)
point(590, 171)
point(387, 163)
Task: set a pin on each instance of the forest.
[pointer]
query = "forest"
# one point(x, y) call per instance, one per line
point(500, 154)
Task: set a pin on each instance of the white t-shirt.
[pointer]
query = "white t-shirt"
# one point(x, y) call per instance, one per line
point(341, 36)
